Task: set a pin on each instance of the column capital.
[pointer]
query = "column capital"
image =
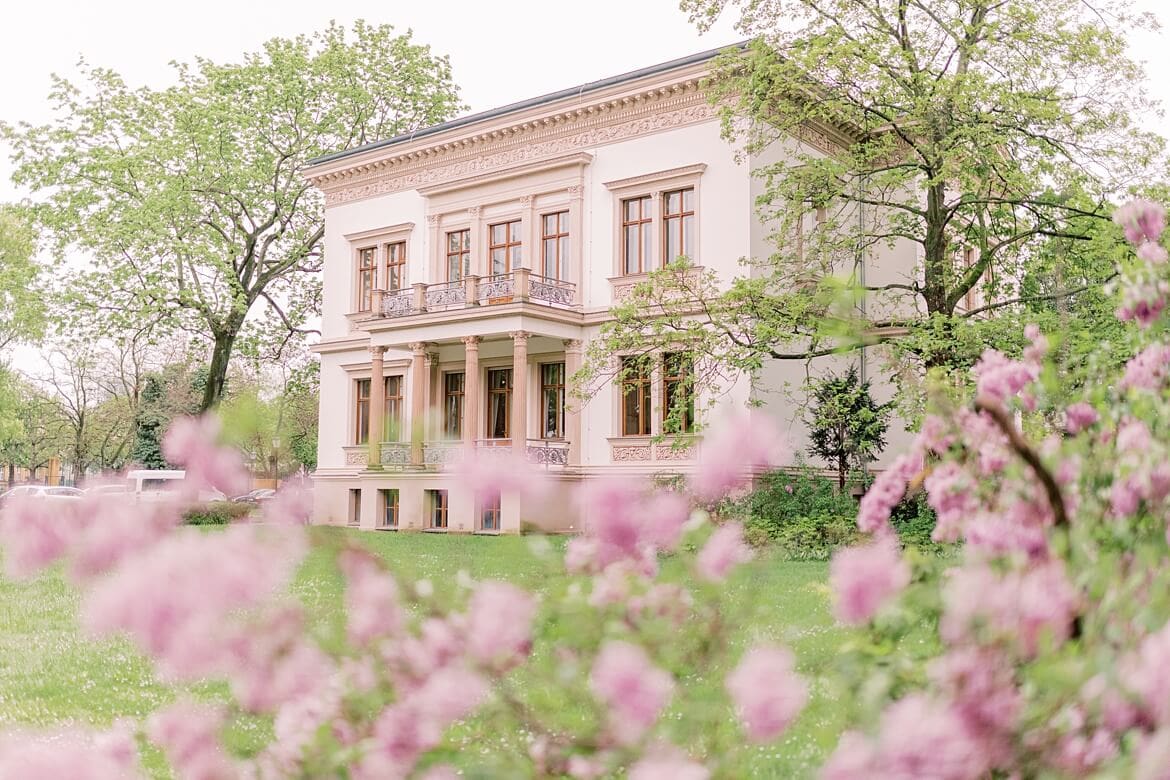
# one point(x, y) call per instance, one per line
point(519, 337)
point(433, 219)
point(418, 348)
point(473, 211)
point(432, 358)
point(472, 342)
point(525, 201)
point(377, 352)
point(574, 345)
point(576, 191)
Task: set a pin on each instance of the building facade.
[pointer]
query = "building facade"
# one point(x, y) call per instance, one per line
point(468, 265)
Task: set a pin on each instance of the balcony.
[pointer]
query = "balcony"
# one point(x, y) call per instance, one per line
point(520, 285)
point(541, 452)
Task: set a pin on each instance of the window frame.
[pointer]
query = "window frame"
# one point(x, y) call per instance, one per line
point(680, 217)
point(672, 379)
point(361, 432)
point(464, 253)
point(654, 186)
point(506, 392)
point(393, 408)
point(398, 265)
point(561, 238)
point(461, 404)
point(389, 508)
point(562, 401)
point(438, 508)
point(645, 225)
point(490, 505)
point(642, 384)
point(364, 296)
point(512, 259)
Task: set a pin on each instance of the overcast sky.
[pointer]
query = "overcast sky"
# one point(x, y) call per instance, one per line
point(500, 51)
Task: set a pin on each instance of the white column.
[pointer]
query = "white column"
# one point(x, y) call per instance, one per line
point(573, 355)
point(377, 405)
point(520, 393)
point(418, 399)
point(471, 391)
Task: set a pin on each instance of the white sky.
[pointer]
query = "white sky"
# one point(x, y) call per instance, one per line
point(501, 50)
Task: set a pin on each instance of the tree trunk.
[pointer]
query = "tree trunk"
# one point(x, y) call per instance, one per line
point(221, 353)
point(841, 467)
point(11, 473)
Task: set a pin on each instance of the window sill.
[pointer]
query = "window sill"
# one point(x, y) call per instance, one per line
point(434, 530)
point(483, 532)
point(386, 528)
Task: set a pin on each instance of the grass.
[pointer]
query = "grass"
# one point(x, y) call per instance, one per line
point(51, 676)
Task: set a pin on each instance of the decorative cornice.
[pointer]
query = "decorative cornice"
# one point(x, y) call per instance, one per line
point(576, 159)
point(648, 178)
point(402, 227)
point(639, 114)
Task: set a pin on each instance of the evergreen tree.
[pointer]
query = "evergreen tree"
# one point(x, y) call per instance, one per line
point(847, 427)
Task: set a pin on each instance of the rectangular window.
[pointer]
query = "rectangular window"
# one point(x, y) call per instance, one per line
point(355, 507)
point(504, 246)
point(453, 405)
point(437, 508)
point(458, 254)
point(678, 225)
point(552, 400)
point(395, 278)
point(392, 410)
point(489, 513)
point(499, 403)
point(636, 220)
point(388, 508)
point(554, 239)
point(362, 412)
point(678, 393)
point(366, 279)
point(635, 397)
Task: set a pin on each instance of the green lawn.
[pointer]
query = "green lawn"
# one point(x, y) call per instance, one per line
point(49, 675)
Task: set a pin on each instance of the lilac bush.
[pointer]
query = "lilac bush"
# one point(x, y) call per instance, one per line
point(1036, 647)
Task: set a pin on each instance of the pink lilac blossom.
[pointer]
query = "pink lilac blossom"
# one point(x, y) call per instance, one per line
point(191, 442)
point(488, 475)
point(114, 527)
point(624, 679)
point(499, 624)
point(1152, 252)
point(35, 532)
point(866, 577)
point(1153, 757)
point(173, 598)
point(188, 733)
point(1079, 416)
point(624, 523)
point(979, 684)
point(295, 726)
point(1021, 608)
point(767, 693)
point(1142, 301)
point(1000, 378)
point(1143, 673)
point(1081, 754)
point(733, 452)
point(873, 513)
point(855, 758)
point(1018, 528)
point(1142, 220)
point(1148, 369)
point(950, 491)
point(936, 435)
point(70, 754)
point(292, 505)
point(372, 608)
point(1037, 344)
point(724, 551)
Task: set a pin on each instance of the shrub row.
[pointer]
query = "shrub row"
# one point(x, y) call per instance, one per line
point(217, 513)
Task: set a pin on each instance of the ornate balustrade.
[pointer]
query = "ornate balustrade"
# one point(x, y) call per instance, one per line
point(519, 285)
point(548, 453)
point(395, 454)
point(442, 453)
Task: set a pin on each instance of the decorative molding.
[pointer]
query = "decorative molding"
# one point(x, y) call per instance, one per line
point(473, 211)
point(574, 345)
point(526, 200)
point(357, 456)
point(520, 337)
point(472, 342)
point(432, 359)
point(649, 178)
point(630, 452)
point(672, 452)
point(418, 347)
point(434, 219)
point(377, 352)
point(402, 227)
point(417, 170)
point(576, 191)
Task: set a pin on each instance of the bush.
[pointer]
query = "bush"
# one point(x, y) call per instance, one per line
point(801, 512)
point(217, 513)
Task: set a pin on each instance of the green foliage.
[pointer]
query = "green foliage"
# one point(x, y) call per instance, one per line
point(22, 302)
point(847, 427)
point(217, 513)
point(800, 512)
point(192, 199)
point(166, 394)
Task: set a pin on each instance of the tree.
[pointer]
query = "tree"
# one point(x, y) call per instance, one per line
point(968, 133)
point(22, 310)
point(190, 198)
point(173, 391)
point(847, 428)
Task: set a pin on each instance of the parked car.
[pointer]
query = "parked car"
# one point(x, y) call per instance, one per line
point(111, 488)
point(156, 484)
point(41, 491)
point(257, 496)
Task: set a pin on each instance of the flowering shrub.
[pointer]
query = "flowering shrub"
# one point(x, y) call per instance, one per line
point(1041, 650)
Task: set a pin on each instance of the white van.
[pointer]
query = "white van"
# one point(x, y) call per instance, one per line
point(153, 485)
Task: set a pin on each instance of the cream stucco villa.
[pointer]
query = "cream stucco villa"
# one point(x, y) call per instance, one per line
point(468, 264)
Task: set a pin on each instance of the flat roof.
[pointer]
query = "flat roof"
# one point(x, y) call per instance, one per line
point(551, 97)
